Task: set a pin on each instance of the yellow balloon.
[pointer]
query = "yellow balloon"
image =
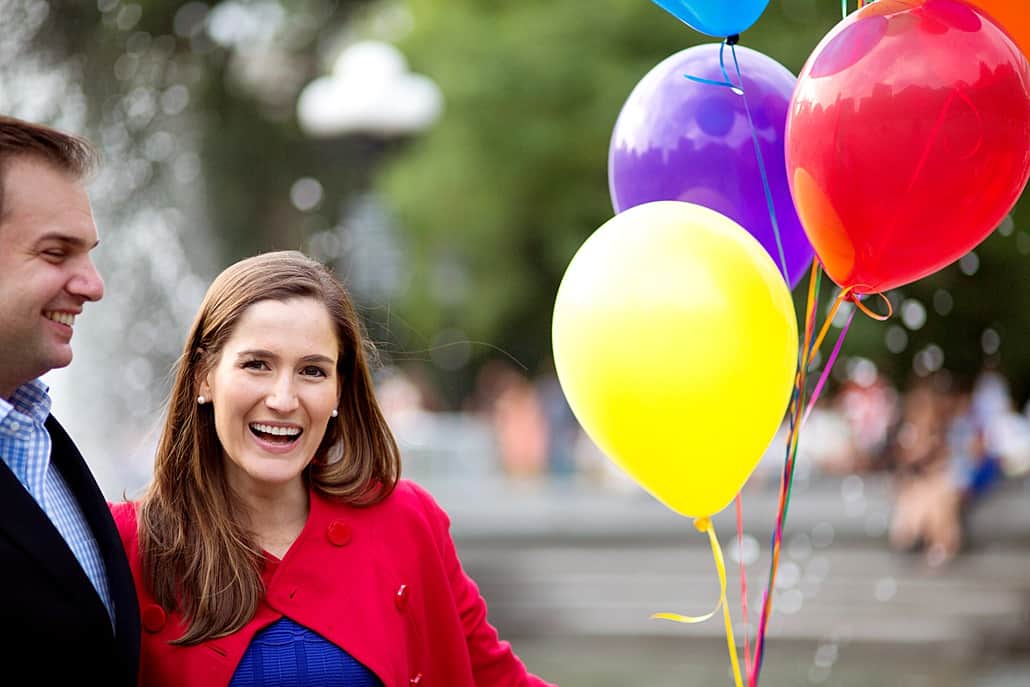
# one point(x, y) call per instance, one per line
point(675, 342)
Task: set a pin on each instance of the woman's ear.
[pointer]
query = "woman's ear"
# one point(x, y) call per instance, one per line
point(201, 376)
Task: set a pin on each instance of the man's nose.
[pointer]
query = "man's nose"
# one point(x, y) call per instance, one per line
point(87, 282)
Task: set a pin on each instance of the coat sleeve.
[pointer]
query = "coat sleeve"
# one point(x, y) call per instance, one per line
point(494, 663)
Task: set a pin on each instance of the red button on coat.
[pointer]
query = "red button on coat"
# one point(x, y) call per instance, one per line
point(338, 533)
point(400, 599)
point(154, 618)
point(415, 681)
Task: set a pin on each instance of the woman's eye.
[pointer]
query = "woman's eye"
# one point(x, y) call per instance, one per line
point(314, 371)
point(254, 365)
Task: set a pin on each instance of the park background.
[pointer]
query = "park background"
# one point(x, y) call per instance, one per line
point(448, 168)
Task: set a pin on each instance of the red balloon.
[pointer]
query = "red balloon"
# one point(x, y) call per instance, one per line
point(908, 140)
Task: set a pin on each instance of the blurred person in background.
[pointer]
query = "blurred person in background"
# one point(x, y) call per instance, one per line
point(402, 400)
point(870, 407)
point(1006, 432)
point(68, 612)
point(989, 441)
point(513, 405)
point(975, 467)
point(561, 426)
point(276, 543)
point(927, 502)
point(947, 459)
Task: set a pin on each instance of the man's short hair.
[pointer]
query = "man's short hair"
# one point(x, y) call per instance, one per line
point(18, 139)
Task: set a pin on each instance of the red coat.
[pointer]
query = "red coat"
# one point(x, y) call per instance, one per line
point(383, 583)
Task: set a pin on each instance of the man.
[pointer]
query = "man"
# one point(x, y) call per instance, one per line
point(68, 610)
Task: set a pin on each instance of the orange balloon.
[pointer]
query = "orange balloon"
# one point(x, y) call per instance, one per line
point(1011, 15)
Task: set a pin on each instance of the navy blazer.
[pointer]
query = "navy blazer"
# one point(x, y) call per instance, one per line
point(52, 622)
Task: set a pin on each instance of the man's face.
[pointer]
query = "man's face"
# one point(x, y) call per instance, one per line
point(46, 273)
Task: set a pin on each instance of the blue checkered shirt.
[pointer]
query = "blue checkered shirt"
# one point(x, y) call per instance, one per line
point(25, 446)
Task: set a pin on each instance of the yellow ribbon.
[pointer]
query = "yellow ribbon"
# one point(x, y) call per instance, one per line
point(704, 525)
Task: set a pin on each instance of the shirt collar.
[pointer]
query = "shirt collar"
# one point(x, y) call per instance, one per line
point(31, 399)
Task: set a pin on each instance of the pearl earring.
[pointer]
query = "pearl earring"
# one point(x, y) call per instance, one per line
point(201, 400)
point(335, 412)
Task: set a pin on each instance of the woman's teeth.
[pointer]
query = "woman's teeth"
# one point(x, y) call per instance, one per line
point(274, 432)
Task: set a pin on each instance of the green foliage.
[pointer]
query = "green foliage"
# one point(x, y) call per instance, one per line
point(514, 177)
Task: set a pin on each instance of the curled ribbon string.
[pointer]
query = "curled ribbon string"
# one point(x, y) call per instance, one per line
point(725, 75)
point(761, 168)
point(738, 89)
point(704, 525)
point(856, 300)
point(808, 349)
point(786, 480)
point(843, 296)
point(829, 366)
point(797, 402)
point(796, 399)
point(743, 584)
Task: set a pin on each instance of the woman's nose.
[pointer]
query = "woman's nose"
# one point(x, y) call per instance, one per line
point(282, 397)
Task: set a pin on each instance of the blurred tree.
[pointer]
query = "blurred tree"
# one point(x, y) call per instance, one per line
point(505, 189)
point(236, 67)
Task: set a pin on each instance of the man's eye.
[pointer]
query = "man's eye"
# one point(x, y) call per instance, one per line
point(55, 253)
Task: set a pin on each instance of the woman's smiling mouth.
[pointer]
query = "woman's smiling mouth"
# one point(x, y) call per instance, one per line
point(282, 435)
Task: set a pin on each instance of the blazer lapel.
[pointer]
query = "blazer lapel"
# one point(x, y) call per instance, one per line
point(94, 508)
point(25, 523)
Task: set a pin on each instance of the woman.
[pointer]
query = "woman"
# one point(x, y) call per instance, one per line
point(275, 544)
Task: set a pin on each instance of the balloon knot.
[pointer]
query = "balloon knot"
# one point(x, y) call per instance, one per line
point(857, 298)
point(702, 524)
point(733, 39)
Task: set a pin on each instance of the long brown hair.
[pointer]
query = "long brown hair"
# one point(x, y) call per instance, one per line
point(197, 554)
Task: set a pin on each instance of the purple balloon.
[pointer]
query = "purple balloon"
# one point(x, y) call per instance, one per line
point(678, 139)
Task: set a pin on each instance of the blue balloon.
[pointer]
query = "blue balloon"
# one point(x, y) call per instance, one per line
point(719, 18)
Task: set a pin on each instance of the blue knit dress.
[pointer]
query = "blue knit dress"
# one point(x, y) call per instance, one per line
point(286, 654)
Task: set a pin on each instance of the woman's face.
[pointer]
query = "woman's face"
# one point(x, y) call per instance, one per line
point(273, 390)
